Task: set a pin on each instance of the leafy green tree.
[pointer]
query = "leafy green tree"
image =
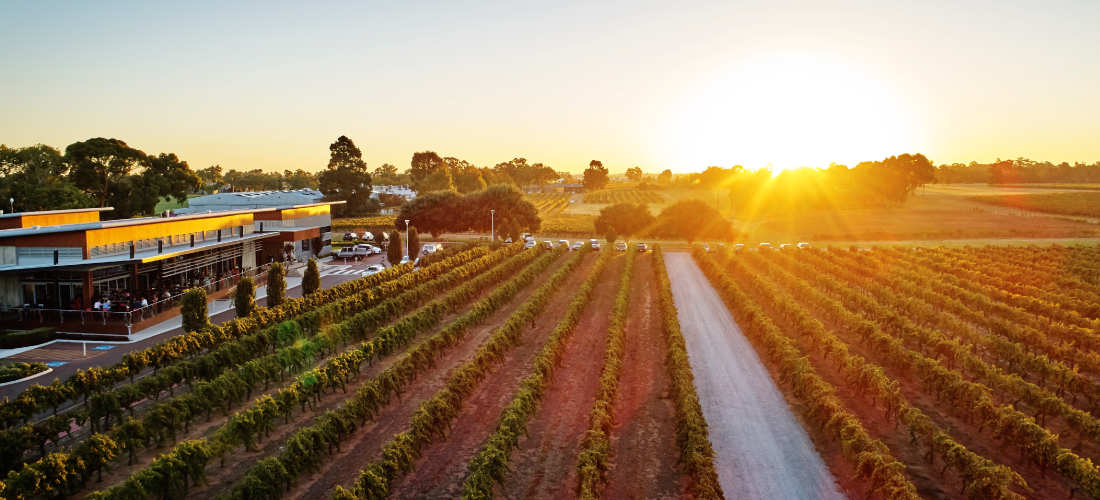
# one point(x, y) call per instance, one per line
point(99, 165)
point(465, 176)
point(194, 312)
point(424, 164)
point(414, 242)
point(35, 177)
point(244, 297)
point(211, 176)
point(691, 219)
point(276, 285)
point(300, 179)
point(440, 180)
point(610, 235)
point(595, 176)
point(346, 177)
point(634, 174)
point(508, 201)
point(627, 219)
point(436, 212)
point(311, 281)
point(395, 250)
point(386, 170)
point(665, 177)
point(162, 176)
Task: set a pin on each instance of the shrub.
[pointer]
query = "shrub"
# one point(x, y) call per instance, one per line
point(394, 252)
point(414, 242)
point(13, 340)
point(611, 235)
point(311, 282)
point(194, 312)
point(16, 371)
point(244, 297)
point(276, 285)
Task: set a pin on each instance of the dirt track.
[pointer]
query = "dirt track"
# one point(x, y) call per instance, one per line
point(762, 450)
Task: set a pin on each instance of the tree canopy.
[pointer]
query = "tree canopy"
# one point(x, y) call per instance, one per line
point(627, 219)
point(691, 220)
point(35, 177)
point(346, 177)
point(99, 165)
point(634, 174)
point(449, 211)
point(595, 176)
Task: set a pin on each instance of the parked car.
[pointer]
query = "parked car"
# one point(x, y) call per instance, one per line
point(529, 244)
point(720, 248)
point(350, 236)
point(509, 240)
point(373, 269)
point(404, 260)
point(739, 246)
point(642, 247)
point(368, 237)
point(563, 243)
point(765, 246)
point(376, 250)
point(806, 246)
point(346, 253)
point(785, 246)
point(577, 245)
point(429, 248)
point(363, 250)
point(548, 245)
point(706, 248)
point(595, 244)
point(620, 246)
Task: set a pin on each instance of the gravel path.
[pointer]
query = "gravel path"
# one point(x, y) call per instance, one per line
point(762, 450)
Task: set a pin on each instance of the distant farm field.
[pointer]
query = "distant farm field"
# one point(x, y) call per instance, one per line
point(1084, 204)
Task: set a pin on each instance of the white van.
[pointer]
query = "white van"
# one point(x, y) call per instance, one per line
point(595, 244)
point(429, 248)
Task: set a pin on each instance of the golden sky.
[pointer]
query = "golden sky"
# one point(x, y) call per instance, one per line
point(678, 85)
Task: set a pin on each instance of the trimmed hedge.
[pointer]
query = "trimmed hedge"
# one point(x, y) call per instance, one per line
point(16, 371)
point(25, 338)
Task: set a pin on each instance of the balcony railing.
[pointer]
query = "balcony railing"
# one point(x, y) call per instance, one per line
point(124, 317)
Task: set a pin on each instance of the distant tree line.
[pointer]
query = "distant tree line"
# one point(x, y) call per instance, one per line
point(1018, 171)
point(93, 173)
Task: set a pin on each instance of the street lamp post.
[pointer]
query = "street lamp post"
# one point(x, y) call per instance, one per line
point(493, 225)
point(407, 239)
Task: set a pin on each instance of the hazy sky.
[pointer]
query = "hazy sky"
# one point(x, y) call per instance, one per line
point(678, 85)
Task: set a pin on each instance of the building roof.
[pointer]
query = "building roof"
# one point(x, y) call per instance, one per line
point(56, 212)
point(140, 256)
point(85, 226)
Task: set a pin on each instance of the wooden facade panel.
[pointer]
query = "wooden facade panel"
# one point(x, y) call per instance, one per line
point(59, 219)
point(294, 213)
point(168, 228)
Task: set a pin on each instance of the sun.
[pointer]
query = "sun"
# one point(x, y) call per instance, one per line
point(788, 112)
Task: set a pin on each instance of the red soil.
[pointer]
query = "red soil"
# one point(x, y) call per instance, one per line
point(643, 445)
point(367, 443)
point(442, 466)
point(545, 463)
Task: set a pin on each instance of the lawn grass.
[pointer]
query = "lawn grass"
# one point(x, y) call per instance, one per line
point(170, 203)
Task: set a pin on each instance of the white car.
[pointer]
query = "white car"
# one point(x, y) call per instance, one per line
point(806, 246)
point(373, 269)
point(363, 250)
point(785, 246)
point(404, 260)
point(548, 245)
point(368, 237)
point(563, 243)
point(642, 247)
point(739, 246)
point(346, 253)
point(376, 250)
point(429, 248)
point(765, 246)
point(620, 246)
point(595, 244)
point(705, 247)
point(529, 244)
point(577, 245)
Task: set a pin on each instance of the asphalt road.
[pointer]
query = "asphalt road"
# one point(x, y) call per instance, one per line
point(761, 449)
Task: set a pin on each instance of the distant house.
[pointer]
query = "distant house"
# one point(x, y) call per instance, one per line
point(555, 188)
point(567, 188)
point(402, 189)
